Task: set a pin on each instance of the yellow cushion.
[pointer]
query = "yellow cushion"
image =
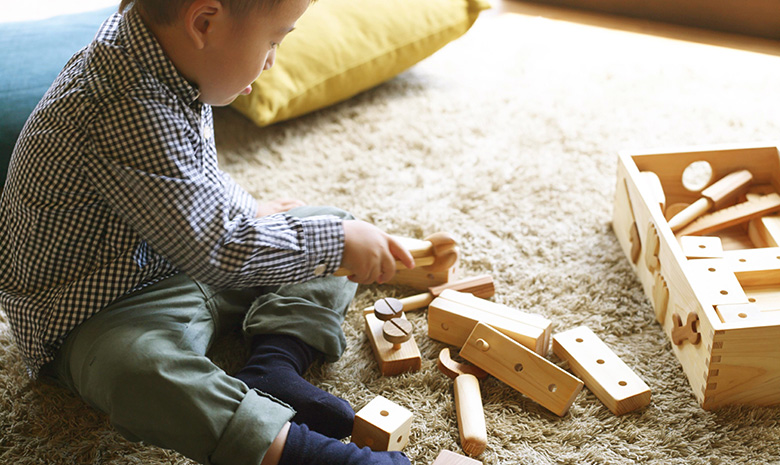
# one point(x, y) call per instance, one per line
point(343, 47)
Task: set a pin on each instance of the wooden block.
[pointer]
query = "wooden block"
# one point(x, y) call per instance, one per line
point(755, 267)
point(392, 361)
point(521, 368)
point(446, 457)
point(770, 226)
point(452, 316)
point(736, 214)
point(604, 373)
point(701, 247)
point(715, 281)
point(382, 425)
point(739, 313)
point(766, 297)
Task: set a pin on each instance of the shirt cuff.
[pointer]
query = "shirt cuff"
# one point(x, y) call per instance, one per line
point(324, 241)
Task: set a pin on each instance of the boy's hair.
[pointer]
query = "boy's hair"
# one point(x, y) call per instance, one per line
point(165, 11)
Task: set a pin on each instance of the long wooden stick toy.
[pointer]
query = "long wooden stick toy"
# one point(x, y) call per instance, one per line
point(468, 402)
point(714, 196)
point(438, 252)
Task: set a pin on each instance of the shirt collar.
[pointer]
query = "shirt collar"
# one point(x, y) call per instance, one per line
point(141, 44)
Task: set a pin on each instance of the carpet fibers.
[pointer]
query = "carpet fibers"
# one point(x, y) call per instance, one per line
point(508, 139)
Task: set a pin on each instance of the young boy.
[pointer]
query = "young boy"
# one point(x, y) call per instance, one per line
point(126, 249)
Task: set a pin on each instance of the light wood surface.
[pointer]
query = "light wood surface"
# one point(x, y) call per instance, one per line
point(521, 368)
point(453, 315)
point(604, 373)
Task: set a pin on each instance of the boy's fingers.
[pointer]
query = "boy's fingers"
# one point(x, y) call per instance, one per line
point(387, 268)
point(401, 253)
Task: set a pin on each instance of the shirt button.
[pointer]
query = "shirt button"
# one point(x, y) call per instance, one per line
point(319, 270)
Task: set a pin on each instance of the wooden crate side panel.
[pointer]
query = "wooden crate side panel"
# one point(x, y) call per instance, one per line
point(762, 161)
point(744, 368)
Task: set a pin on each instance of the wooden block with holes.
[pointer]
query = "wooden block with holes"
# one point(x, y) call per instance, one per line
point(453, 315)
point(521, 368)
point(701, 247)
point(604, 373)
point(446, 457)
point(715, 285)
point(392, 360)
point(382, 425)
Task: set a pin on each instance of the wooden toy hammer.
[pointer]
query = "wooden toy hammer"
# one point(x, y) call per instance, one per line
point(480, 286)
point(468, 402)
point(438, 252)
point(714, 196)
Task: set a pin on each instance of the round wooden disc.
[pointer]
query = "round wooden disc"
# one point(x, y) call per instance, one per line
point(397, 330)
point(388, 308)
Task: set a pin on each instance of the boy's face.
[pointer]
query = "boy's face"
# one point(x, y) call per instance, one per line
point(242, 48)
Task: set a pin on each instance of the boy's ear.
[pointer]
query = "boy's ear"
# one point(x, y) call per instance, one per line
point(199, 19)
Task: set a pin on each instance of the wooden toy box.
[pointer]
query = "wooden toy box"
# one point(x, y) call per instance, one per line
point(717, 295)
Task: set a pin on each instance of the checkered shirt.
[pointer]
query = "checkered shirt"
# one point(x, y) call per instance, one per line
point(114, 185)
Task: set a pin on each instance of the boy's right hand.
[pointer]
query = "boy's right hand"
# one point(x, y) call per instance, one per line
point(370, 253)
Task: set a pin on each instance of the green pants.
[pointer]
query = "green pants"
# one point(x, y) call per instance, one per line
point(142, 361)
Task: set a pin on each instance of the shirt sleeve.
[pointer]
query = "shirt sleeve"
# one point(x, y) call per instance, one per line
point(241, 201)
point(148, 164)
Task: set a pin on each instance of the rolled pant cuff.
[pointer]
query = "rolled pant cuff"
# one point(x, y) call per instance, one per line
point(255, 424)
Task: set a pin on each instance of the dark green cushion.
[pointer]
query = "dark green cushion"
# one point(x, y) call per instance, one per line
point(32, 53)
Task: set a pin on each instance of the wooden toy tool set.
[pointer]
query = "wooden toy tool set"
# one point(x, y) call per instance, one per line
point(510, 344)
point(708, 257)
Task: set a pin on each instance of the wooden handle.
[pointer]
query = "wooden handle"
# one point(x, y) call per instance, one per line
point(471, 416)
point(728, 187)
point(690, 213)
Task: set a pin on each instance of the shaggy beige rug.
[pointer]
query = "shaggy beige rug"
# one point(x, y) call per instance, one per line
point(508, 139)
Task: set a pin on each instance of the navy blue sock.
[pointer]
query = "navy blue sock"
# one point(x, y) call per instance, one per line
point(311, 448)
point(276, 367)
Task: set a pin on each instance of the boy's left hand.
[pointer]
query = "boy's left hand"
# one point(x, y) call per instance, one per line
point(277, 206)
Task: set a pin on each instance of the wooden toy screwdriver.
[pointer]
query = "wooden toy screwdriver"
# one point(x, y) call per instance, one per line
point(716, 195)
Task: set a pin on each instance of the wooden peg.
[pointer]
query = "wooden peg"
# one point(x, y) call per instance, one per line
point(468, 403)
point(521, 368)
point(397, 331)
point(480, 286)
point(446, 457)
point(387, 308)
point(714, 196)
point(382, 425)
point(603, 372)
point(392, 358)
point(452, 316)
point(686, 332)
